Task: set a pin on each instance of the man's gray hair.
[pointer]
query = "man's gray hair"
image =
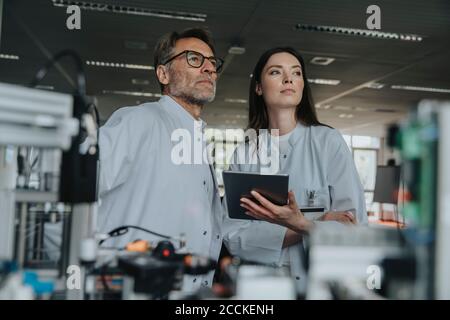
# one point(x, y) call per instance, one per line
point(165, 46)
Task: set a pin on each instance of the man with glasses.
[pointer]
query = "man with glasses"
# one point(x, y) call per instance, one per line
point(140, 183)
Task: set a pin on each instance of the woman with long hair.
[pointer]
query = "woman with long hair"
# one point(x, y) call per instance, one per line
point(319, 163)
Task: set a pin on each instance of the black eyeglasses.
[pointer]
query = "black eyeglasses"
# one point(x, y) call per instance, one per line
point(196, 59)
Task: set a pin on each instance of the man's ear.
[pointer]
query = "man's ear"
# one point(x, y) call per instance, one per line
point(258, 89)
point(162, 74)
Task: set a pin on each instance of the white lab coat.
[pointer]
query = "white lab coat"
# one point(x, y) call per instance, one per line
point(317, 159)
point(141, 185)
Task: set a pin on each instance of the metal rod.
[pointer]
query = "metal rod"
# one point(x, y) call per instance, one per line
point(80, 229)
point(1, 18)
point(21, 241)
point(65, 243)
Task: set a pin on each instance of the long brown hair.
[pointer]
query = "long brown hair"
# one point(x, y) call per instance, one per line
point(258, 117)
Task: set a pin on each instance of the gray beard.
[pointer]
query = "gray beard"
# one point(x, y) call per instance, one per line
point(189, 98)
point(177, 91)
point(193, 100)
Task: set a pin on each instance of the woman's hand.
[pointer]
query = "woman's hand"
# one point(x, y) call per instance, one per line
point(345, 217)
point(288, 216)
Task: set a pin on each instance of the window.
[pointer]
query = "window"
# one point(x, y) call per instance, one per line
point(221, 147)
point(365, 154)
point(366, 165)
point(365, 142)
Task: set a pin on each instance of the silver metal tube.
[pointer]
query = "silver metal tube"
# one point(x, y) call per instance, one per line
point(81, 228)
point(21, 238)
point(8, 177)
point(65, 243)
point(7, 218)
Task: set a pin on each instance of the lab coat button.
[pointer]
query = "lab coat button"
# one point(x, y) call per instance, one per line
point(205, 283)
point(204, 233)
point(195, 279)
point(285, 156)
point(218, 237)
point(297, 278)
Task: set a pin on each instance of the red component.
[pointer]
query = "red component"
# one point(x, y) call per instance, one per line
point(166, 253)
point(403, 196)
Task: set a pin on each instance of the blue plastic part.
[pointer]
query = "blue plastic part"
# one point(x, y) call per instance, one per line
point(40, 287)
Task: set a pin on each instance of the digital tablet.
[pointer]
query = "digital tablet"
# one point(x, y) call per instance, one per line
point(239, 184)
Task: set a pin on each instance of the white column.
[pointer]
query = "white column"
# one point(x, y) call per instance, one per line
point(442, 277)
point(8, 173)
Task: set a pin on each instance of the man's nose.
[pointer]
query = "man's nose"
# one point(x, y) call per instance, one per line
point(208, 67)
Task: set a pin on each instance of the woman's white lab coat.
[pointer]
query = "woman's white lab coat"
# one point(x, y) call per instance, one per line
point(317, 160)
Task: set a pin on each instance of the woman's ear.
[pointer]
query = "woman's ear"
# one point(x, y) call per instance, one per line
point(258, 89)
point(162, 74)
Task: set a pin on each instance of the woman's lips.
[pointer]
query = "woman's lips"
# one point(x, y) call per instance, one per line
point(288, 91)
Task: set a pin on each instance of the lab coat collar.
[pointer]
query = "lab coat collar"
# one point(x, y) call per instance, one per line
point(297, 134)
point(176, 109)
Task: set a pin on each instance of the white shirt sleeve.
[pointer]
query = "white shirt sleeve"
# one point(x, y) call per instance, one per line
point(119, 140)
point(346, 190)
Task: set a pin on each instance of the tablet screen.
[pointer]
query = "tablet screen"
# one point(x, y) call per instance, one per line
point(239, 184)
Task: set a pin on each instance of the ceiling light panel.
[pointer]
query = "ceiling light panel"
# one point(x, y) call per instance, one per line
point(132, 93)
point(424, 89)
point(119, 65)
point(9, 56)
point(139, 11)
point(359, 32)
point(330, 82)
point(235, 100)
point(322, 61)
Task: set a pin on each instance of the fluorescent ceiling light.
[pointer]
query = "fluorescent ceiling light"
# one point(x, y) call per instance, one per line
point(9, 56)
point(375, 85)
point(359, 32)
point(119, 65)
point(342, 108)
point(346, 115)
point(133, 93)
point(140, 82)
point(236, 50)
point(325, 107)
point(199, 17)
point(44, 87)
point(426, 89)
point(235, 100)
point(322, 61)
point(330, 82)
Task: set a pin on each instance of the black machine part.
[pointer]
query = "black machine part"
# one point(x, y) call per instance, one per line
point(158, 272)
point(152, 275)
